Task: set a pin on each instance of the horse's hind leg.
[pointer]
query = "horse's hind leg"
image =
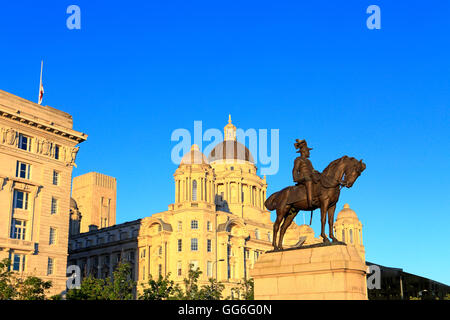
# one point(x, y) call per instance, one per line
point(287, 222)
point(276, 226)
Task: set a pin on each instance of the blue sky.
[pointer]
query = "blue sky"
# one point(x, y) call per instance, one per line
point(138, 70)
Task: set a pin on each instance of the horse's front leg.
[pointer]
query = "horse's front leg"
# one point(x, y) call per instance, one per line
point(331, 222)
point(323, 219)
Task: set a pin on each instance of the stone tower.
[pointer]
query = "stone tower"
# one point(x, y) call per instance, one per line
point(348, 229)
point(95, 195)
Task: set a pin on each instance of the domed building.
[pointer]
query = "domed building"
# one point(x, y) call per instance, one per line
point(348, 229)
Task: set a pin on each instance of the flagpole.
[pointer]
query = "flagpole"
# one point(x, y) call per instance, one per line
point(40, 83)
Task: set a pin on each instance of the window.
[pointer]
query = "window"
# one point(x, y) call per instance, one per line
point(23, 170)
point(232, 168)
point(143, 253)
point(56, 152)
point(179, 268)
point(180, 226)
point(194, 244)
point(351, 235)
point(160, 250)
point(160, 269)
point(208, 245)
point(194, 190)
point(24, 142)
point(17, 261)
point(269, 237)
point(343, 235)
point(54, 208)
point(180, 245)
point(257, 234)
point(194, 224)
point(55, 177)
point(208, 226)
point(18, 229)
point(52, 236)
point(159, 228)
point(50, 266)
point(209, 269)
point(20, 200)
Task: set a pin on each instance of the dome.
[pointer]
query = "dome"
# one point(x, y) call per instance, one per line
point(194, 156)
point(73, 204)
point(305, 229)
point(230, 150)
point(346, 212)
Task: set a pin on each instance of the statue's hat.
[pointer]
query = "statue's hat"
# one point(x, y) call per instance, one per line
point(301, 145)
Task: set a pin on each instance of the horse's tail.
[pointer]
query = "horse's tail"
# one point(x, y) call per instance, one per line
point(271, 202)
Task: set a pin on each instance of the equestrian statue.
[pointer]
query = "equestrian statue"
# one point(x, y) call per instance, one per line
point(312, 190)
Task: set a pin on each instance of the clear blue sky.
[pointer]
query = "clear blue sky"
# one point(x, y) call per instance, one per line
point(137, 70)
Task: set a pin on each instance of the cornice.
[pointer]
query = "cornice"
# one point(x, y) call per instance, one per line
point(42, 125)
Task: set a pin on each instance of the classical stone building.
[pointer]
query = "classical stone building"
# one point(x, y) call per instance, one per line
point(37, 153)
point(217, 223)
point(348, 229)
point(95, 196)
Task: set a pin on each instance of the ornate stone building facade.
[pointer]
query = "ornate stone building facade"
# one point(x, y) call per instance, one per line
point(38, 148)
point(217, 223)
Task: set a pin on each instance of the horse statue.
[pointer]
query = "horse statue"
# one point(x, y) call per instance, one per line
point(341, 172)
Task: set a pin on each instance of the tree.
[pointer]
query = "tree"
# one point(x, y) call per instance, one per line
point(32, 288)
point(161, 289)
point(121, 287)
point(90, 289)
point(245, 290)
point(16, 287)
point(211, 291)
point(7, 290)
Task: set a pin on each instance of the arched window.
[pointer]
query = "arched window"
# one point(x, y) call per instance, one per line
point(257, 234)
point(194, 190)
point(351, 235)
point(343, 235)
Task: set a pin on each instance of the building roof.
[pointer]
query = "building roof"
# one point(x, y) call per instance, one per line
point(194, 156)
point(230, 150)
point(346, 212)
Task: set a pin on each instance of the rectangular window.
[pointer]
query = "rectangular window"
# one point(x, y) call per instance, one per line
point(23, 170)
point(52, 237)
point(180, 245)
point(179, 268)
point(18, 229)
point(56, 152)
point(208, 226)
point(24, 142)
point(160, 269)
point(20, 200)
point(194, 244)
point(180, 226)
point(209, 271)
point(194, 224)
point(17, 261)
point(55, 177)
point(208, 245)
point(50, 266)
point(54, 208)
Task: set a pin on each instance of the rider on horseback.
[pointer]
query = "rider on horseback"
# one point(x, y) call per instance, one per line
point(303, 172)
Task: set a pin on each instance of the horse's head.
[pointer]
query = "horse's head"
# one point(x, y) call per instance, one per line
point(352, 171)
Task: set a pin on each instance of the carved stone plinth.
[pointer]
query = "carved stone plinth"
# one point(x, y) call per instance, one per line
point(333, 272)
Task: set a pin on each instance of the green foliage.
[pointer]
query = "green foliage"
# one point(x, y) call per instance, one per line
point(90, 289)
point(191, 290)
point(245, 290)
point(7, 290)
point(32, 288)
point(18, 288)
point(211, 291)
point(161, 289)
point(121, 287)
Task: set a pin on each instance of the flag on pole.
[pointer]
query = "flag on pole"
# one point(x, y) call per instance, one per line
point(41, 87)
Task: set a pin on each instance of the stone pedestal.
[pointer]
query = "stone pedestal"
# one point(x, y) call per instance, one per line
point(316, 272)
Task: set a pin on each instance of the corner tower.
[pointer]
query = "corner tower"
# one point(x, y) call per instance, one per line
point(348, 229)
point(95, 194)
